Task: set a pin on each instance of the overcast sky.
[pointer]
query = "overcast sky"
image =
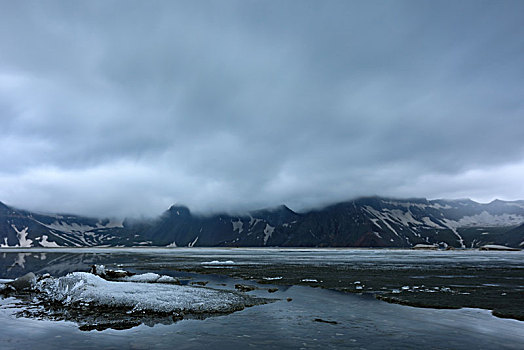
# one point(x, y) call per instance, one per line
point(122, 108)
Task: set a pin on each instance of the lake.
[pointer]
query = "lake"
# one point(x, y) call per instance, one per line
point(313, 318)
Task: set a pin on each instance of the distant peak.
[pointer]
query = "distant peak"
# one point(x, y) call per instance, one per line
point(179, 210)
point(284, 207)
point(278, 208)
point(496, 200)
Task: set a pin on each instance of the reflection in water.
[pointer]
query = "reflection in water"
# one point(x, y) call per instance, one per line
point(89, 318)
point(361, 322)
point(57, 264)
point(19, 260)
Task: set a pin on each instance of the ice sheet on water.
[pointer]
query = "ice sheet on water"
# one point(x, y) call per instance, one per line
point(85, 288)
point(217, 262)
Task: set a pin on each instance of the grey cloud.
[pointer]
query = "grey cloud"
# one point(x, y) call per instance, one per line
point(123, 107)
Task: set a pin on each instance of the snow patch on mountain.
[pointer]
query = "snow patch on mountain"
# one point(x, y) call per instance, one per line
point(47, 244)
point(404, 218)
point(268, 231)
point(74, 227)
point(113, 223)
point(422, 206)
point(485, 219)
point(375, 222)
point(453, 225)
point(68, 228)
point(192, 244)
point(238, 226)
point(428, 222)
point(23, 241)
point(406, 205)
point(254, 221)
point(382, 217)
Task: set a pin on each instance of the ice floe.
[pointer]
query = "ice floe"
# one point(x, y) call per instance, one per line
point(217, 262)
point(309, 280)
point(497, 247)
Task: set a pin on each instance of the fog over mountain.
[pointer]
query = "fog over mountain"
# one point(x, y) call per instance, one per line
point(122, 108)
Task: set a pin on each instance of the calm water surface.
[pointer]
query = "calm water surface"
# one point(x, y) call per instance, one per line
point(361, 322)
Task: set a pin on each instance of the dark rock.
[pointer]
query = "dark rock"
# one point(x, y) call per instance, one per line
point(100, 270)
point(200, 283)
point(325, 321)
point(26, 282)
point(244, 288)
point(111, 274)
point(272, 290)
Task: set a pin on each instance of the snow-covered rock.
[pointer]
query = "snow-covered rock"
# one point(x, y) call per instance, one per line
point(81, 288)
point(24, 282)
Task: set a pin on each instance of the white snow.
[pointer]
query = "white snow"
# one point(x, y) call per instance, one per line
point(440, 206)
point(5, 244)
point(452, 225)
point(381, 217)
point(22, 237)
point(166, 279)
point(496, 247)
point(272, 278)
point(428, 222)
point(149, 278)
point(68, 228)
point(143, 278)
point(47, 244)
point(486, 219)
point(253, 221)
point(268, 231)
point(113, 223)
point(375, 221)
point(82, 287)
point(192, 244)
point(238, 226)
point(405, 218)
point(171, 245)
point(425, 246)
point(216, 262)
point(309, 280)
point(76, 228)
point(405, 204)
point(100, 269)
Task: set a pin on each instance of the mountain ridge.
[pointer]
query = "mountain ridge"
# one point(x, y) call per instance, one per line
point(362, 222)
